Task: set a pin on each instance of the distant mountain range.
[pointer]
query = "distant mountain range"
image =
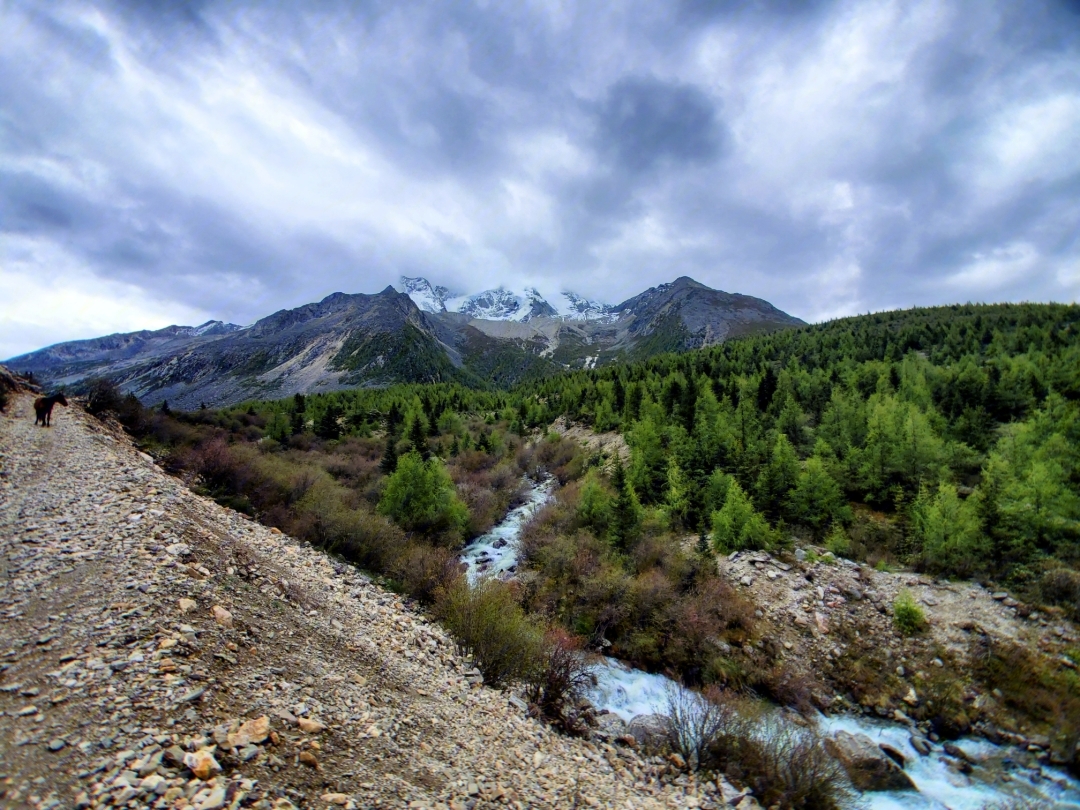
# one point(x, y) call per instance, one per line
point(422, 333)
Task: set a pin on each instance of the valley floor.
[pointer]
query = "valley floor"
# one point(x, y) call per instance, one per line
point(146, 632)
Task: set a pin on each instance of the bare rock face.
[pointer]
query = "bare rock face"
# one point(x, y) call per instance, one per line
point(868, 767)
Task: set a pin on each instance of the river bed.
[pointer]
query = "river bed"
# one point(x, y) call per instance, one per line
point(496, 552)
point(1000, 772)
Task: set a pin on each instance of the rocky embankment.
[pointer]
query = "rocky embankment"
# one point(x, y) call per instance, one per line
point(158, 650)
point(833, 619)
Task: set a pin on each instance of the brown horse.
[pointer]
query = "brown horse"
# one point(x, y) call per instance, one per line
point(43, 408)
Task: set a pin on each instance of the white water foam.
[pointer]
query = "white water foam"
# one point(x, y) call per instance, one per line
point(628, 692)
point(496, 553)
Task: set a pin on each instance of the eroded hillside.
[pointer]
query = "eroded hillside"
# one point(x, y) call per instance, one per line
point(160, 650)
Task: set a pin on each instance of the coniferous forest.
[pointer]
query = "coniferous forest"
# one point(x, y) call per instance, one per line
point(944, 440)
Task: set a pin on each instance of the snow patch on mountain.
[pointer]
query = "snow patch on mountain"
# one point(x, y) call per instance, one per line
point(428, 297)
point(208, 328)
point(505, 304)
point(576, 308)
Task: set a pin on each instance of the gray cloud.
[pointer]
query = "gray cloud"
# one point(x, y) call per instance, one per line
point(644, 122)
point(233, 158)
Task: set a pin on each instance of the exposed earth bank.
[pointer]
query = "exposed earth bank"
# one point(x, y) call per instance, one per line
point(833, 620)
point(159, 650)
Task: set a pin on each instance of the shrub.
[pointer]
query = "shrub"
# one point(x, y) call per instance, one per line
point(214, 463)
point(102, 395)
point(784, 764)
point(907, 615)
point(789, 767)
point(560, 680)
point(489, 625)
point(838, 542)
point(425, 571)
point(695, 723)
point(324, 518)
point(1061, 586)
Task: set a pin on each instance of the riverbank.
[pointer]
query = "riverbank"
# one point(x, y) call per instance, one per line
point(832, 619)
point(826, 603)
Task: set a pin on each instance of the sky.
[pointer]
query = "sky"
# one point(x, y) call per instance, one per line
point(179, 162)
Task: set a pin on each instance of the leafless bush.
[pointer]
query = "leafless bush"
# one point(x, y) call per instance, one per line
point(426, 570)
point(794, 769)
point(697, 721)
point(783, 763)
point(560, 679)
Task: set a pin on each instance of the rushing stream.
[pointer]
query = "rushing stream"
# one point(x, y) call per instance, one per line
point(1000, 773)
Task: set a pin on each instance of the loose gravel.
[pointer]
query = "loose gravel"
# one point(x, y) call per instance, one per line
point(159, 650)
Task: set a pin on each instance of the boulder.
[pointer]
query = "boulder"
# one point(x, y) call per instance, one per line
point(893, 754)
point(649, 730)
point(921, 744)
point(868, 767)
point(611, 724)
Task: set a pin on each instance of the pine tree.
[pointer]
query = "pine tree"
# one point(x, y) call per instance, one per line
point(327, 427)
point(390, 457)
point(817, 500)
point(778, 478)
point(625, 512)
point(418, 438)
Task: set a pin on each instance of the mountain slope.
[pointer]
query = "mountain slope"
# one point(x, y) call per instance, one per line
point(127, 662)
point(341, 341)
point(424, 334)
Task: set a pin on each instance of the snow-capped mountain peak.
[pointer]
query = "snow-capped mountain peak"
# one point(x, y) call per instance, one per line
point(576, 308)
point(427, 296)
point(504, 304)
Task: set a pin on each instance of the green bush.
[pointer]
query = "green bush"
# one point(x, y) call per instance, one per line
point(324, 517)
point(490, 625)
point(907, 615)
point(838, 542)
point(420, 497)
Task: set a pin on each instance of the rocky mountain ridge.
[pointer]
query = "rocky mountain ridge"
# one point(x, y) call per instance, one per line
point(424, 335)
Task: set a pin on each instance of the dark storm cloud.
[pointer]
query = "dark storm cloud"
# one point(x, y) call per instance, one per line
point(643, 122)
point(833, 157)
